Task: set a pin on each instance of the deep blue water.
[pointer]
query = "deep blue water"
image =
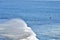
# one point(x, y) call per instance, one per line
point(35, 13)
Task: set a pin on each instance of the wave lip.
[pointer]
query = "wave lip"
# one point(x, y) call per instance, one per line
point(17, 29)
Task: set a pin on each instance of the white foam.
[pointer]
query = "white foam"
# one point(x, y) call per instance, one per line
point(17, 29)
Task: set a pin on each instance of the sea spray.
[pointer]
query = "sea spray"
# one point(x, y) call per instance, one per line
point(16, 29)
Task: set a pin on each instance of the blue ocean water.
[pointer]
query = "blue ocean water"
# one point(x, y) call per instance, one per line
point(35, 13)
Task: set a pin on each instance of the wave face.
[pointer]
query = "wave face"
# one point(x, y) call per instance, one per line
point(50, 32)
point(16, 29)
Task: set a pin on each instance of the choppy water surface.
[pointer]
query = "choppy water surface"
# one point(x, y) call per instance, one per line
point(42, 16)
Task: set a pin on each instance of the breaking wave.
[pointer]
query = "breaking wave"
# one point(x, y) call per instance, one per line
point(16, 29)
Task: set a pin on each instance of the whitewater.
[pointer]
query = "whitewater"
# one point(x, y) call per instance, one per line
point(16, 29)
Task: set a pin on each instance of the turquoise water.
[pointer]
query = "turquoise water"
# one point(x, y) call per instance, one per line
point(35, 13)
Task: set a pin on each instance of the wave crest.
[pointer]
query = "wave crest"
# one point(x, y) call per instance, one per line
point(17, 29)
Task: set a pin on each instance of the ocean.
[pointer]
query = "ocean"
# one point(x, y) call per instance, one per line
point(39, 15)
